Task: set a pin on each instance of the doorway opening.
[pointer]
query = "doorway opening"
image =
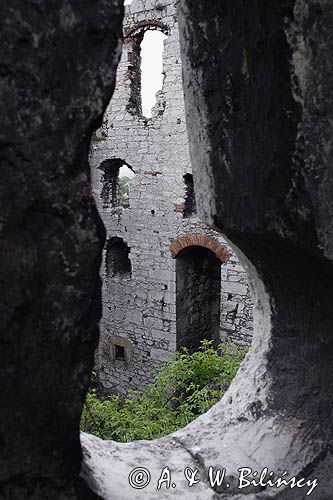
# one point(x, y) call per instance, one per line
point(198, 296)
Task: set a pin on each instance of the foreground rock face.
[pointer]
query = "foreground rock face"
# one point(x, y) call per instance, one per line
point(258, 79)
point(57, 75)
point(264, 104)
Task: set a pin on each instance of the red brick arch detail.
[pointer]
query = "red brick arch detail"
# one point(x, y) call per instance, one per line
point(201, 240)
point(142, 26)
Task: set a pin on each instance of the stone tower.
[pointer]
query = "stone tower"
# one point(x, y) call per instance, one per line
point(169, 280)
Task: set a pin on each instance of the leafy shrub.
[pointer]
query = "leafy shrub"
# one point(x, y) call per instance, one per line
point(186, 387)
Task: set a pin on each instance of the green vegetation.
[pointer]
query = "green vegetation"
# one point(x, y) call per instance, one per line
point(124, 190)
point(186, 387)
point(124, 181)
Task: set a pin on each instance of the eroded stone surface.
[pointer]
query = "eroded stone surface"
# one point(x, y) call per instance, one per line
point(265, 112)
point(57, 75)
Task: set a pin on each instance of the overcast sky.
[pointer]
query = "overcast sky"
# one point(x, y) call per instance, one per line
point(124, 171)
point(151, 67)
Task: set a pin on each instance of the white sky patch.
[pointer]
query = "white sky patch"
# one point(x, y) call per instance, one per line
point(127, 2)
point(124, 171)
point(151, 69)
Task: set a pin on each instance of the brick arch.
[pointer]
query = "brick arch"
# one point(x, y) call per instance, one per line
point(201, 240)
point(143, 26)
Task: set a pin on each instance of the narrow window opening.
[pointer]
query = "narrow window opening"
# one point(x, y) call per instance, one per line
point(117, 262)
point(151, 69)
point(117, 176)
point(190, 207)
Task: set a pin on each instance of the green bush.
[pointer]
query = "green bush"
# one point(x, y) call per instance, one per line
point(186, 387)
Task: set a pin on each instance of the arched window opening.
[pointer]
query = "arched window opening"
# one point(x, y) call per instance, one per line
point(117, 262)
point(198, 293)
point(151, 69)
point(117, 175)
point(190, 207)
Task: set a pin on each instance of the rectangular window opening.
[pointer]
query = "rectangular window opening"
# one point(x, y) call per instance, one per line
point(119, 352)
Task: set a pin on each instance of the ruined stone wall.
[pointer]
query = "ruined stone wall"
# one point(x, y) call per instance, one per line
point(141, 306)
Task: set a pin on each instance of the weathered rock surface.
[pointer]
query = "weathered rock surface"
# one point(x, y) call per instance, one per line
point(57, 76)
point(264, 107)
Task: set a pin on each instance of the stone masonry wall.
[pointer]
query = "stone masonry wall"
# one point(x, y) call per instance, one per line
point(140, 307)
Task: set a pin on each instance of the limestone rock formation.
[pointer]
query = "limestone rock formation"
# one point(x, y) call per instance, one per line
point(57, 75)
